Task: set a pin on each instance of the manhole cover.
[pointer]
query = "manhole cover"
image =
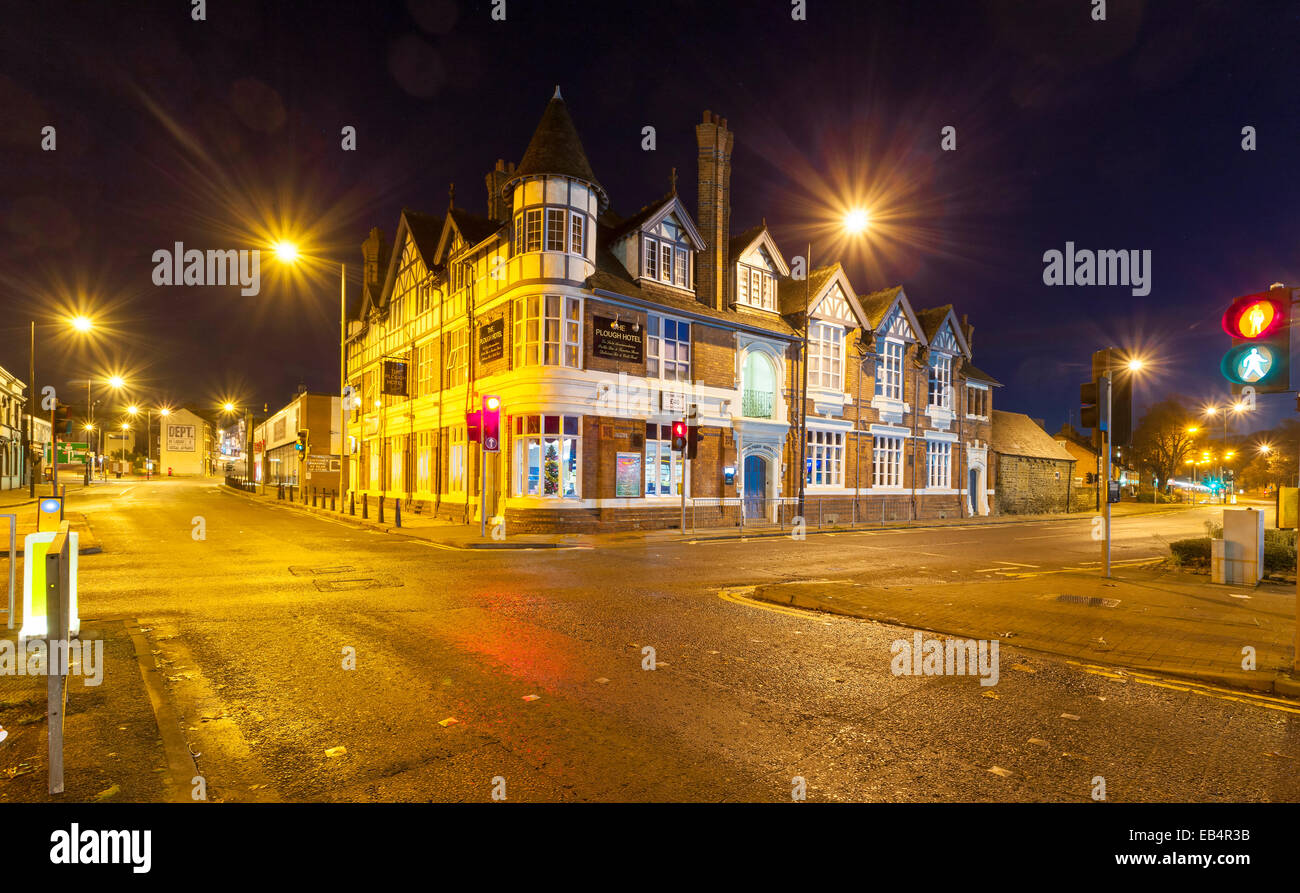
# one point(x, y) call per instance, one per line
point(1092, 601)
point(302, 570)
point(341, 585)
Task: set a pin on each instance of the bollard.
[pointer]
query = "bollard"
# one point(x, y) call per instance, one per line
point(397, 511)
point(333, 497)
point(352, 503)
point(313, 497)
point(365, 508)
point(292, 498)
point(381, 508)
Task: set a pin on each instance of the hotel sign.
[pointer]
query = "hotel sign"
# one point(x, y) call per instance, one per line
point(395, 378)
point(614, 339)
point(492, 341)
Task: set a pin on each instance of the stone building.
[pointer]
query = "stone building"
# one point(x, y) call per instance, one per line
point(12, 436)
point(185, 440)
point(1087, 462)
point(1033, 473)
point(276, 457)
point(598, 331)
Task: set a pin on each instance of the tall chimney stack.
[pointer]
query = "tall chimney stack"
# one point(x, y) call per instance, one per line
point(496, 180)
point(713, 211)
point(373, 255)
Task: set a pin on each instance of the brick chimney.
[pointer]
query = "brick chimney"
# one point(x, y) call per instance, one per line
point(968, 332)
point(373, 255)
point(713, 210)
point(496, 181)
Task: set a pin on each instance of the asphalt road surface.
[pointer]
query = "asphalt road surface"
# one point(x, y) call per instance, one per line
point(524, 673)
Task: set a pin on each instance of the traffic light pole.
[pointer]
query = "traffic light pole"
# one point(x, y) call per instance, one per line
point(1105, 443)
point(681, 484)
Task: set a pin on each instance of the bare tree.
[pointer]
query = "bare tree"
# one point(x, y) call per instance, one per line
point(1163, 439)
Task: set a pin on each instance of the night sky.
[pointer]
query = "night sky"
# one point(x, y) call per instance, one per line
point(225, 133)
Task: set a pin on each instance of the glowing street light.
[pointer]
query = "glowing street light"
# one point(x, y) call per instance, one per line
point(82, 323)
point(855, 222)
point(286, 252)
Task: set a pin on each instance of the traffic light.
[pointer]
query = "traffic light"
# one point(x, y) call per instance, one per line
point(692, 441)
point(491, 423)
point(679, 437)
point(301, 445)
point(474, 427)
point(1095, 399)
point(1089, 478)
point(62, 420)
point(1260, 356)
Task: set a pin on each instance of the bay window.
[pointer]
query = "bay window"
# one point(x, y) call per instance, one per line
point(546, 455)
point(555, 229)
point(887, 462)
point(668, 348)
point(938, 464)
point(664, 472)
point(889, 371)
point(666, 262)
point(533, 229)
point(577, 231)
point(548, 330)
point(824, 459)
point(825, 356)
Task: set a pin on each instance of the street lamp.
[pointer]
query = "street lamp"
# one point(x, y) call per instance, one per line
point(287, 252)
point(80, 324)
point(853, 223)
point(229, 409)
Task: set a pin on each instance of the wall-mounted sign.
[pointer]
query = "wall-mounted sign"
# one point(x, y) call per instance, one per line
point(627, 474)
point(278, 430)
point(323, 463)
point(180, 438)
point(673, 401)
point(615, 339)
point(394, 378)
point(492, 341)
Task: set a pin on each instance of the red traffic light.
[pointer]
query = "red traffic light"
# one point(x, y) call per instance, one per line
point(491, 422)
point(1255, 316)
point(679, 436)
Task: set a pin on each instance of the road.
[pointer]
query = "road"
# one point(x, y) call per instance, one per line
point(524, 672)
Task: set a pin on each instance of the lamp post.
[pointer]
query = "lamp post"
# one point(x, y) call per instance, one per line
point(853, 223)
point(80, 324)
point(287, 252)
point(148, 435)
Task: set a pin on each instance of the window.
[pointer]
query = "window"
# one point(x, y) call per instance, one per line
point(977, 402)
point(456, 460)
point(889, 371)
point(533, 230)
point(457, 357)
point(759, 382)
point(546, 455)
point(577, 229)
point(668, 348)
point(519, 234)
point(941, 381)
point(663, 467)
point(887, 462)
point(938, 464)
point(665, 262)
point(825, 351)
point(824, 459)
point(548, 329)
point(756, 288)
point(554, 229)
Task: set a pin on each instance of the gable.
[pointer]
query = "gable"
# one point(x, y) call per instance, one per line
point(897, 324)
point(833, 305)
point(945, 340)
point(763, 253)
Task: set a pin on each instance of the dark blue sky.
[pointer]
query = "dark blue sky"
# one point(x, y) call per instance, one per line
point(1122, 134)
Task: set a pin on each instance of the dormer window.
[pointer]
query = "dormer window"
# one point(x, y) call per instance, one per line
point(756, 288)
point(664, 261)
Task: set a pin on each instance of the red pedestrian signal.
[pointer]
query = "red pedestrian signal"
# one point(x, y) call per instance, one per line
point(679, 437)
point(1260, 356)
point(692, 441)
point(491, 423)
point(474, 427)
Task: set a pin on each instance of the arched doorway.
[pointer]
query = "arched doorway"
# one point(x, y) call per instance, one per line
point(759, 387)
point(755, 485)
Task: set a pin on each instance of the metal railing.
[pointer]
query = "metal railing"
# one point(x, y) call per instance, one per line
point(756, 404)
point(820, 512)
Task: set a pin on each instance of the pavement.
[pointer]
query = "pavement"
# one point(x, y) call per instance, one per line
point(292, 656)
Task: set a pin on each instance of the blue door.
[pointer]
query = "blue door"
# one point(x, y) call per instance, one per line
point(755, 485)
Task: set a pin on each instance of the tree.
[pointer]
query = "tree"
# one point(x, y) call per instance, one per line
point(1162, 439)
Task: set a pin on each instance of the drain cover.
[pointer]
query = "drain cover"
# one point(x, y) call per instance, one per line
point(367, 583)
point(1092, 601)
point(302, 570)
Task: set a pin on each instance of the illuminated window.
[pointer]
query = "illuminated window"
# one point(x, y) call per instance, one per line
point(938, 464)
point(650, 268)
point(824, 458)
point(889, 371)
point(533, 229)
point(668, 348)
point(547, 450)
point(663, 467)
point(825, 356)
point(548, 330)
point(456, 460)
point(457, 357)
point(664, 261)
point(887, 462)
point(977, 402)
point(555, 229)
point(941, 381)
point(577, 230)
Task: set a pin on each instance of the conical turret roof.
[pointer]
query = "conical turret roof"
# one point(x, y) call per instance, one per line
point(556, 148)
